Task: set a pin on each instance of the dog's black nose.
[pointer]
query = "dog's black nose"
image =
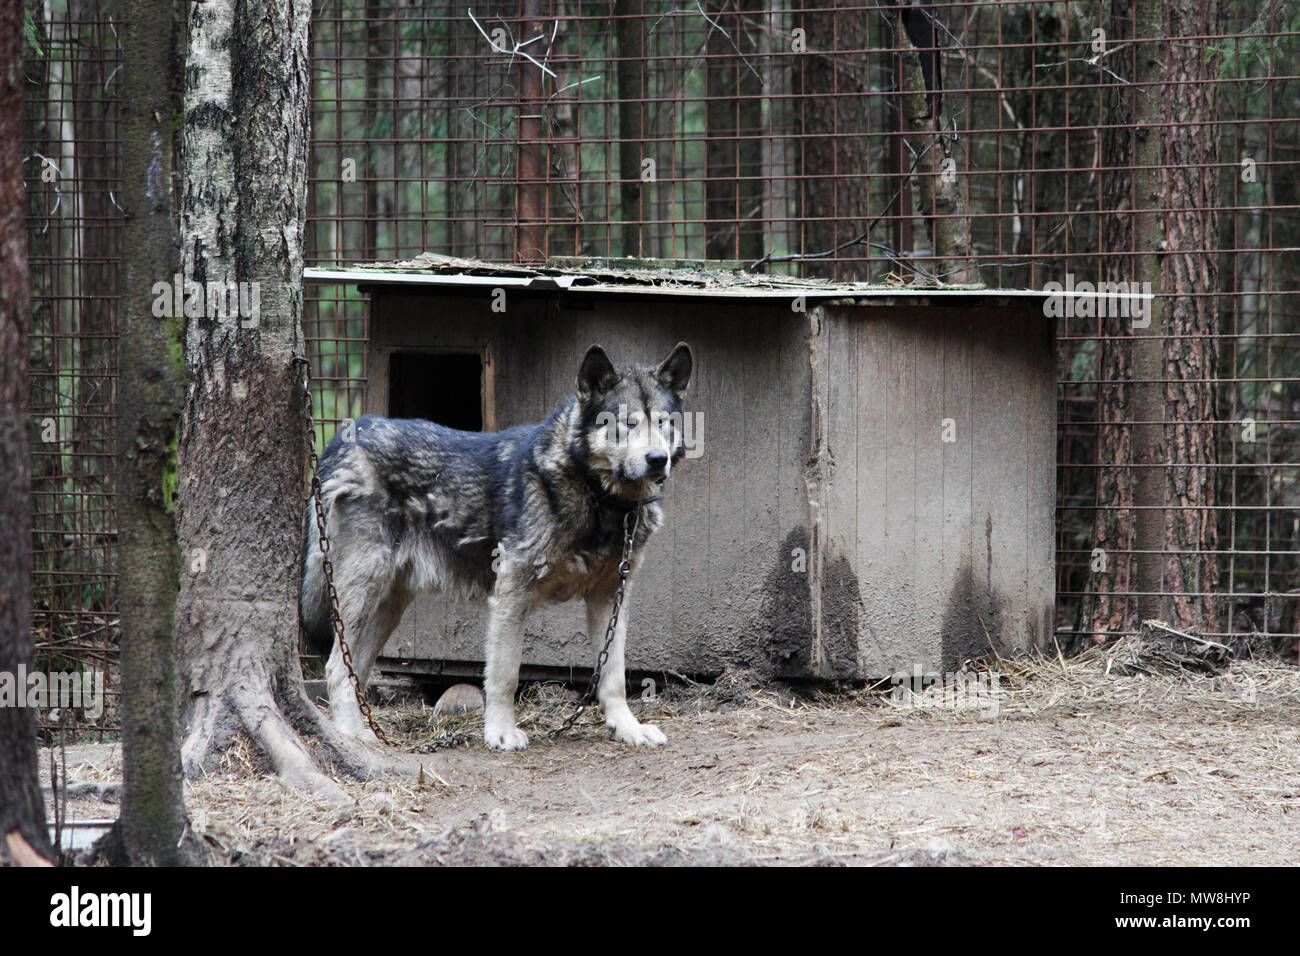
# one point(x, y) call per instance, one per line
point(656, 462)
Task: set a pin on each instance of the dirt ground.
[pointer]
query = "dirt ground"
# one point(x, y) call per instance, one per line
point(1063, 764)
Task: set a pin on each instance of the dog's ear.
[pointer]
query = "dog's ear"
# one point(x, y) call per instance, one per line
point(596, 375)
point(674, 372)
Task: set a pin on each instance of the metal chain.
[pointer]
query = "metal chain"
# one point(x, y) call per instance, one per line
point(336, 619)
point(446, 740)
point(630, 522)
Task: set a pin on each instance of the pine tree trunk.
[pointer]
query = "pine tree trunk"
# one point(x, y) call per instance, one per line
point(22, 811)
point(1156, 522)
point(1109, 607)
point(244, 431)
point(629, 32)
point(375, 165)
point(734, 189)
point(1189, 277)
point(833, 143)
point(1147, 413)
point(566, 199)
point(530, 147)
point(466, 193)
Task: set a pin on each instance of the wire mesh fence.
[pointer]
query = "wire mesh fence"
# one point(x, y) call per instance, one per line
point(71, 171)
point(1009, 144)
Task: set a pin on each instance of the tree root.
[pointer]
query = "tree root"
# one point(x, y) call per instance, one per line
point(347, 754)
point(282, 746)
point(279, 728)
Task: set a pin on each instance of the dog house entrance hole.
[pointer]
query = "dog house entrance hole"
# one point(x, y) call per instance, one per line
point(442, 387)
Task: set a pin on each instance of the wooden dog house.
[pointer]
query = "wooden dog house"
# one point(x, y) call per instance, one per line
point(876, 487)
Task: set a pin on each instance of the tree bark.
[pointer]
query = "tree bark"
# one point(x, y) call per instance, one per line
point(1189, 277)
point(629, 33)
point(941, 198)
point(244, 432)
point(371, 162)
point(1111, 606)
point(22, 811)
point(562, 132)
point(530, 147)
point(466, 194)
point(1156, 522)
point(733, 190)
point(153, 828)
point(832, 143)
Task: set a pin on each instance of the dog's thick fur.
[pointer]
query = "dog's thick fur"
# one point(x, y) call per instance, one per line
point(527, 515)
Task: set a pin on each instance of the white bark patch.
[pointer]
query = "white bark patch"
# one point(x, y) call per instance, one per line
point(209, 206)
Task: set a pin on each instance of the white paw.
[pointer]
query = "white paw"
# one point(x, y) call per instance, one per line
point(640, 735)
point(505, 738)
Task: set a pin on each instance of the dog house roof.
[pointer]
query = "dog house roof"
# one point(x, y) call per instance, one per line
point(648, 277)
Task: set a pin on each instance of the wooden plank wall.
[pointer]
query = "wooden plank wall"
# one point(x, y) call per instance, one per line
point(950, 543)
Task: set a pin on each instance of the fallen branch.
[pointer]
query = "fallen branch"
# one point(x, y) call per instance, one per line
point(1158, 648)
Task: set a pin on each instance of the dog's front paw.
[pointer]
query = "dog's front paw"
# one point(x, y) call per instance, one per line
point(367, 736)
point(640, 735)
point(505, 738)
point(356, 728)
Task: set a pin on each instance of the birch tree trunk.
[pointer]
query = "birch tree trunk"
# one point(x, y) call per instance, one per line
point(244, 431)
point(22, 811)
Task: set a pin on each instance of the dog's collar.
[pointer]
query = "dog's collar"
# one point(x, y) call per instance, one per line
point(608, 499)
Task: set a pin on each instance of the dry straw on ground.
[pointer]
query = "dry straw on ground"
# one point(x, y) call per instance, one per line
point(1144, 751)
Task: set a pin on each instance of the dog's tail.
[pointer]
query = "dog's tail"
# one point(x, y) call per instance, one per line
point(313, 598)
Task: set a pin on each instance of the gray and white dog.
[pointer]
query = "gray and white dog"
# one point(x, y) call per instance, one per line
point(528, 515)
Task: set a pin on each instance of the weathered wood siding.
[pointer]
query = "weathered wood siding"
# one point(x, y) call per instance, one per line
point(935, 550)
